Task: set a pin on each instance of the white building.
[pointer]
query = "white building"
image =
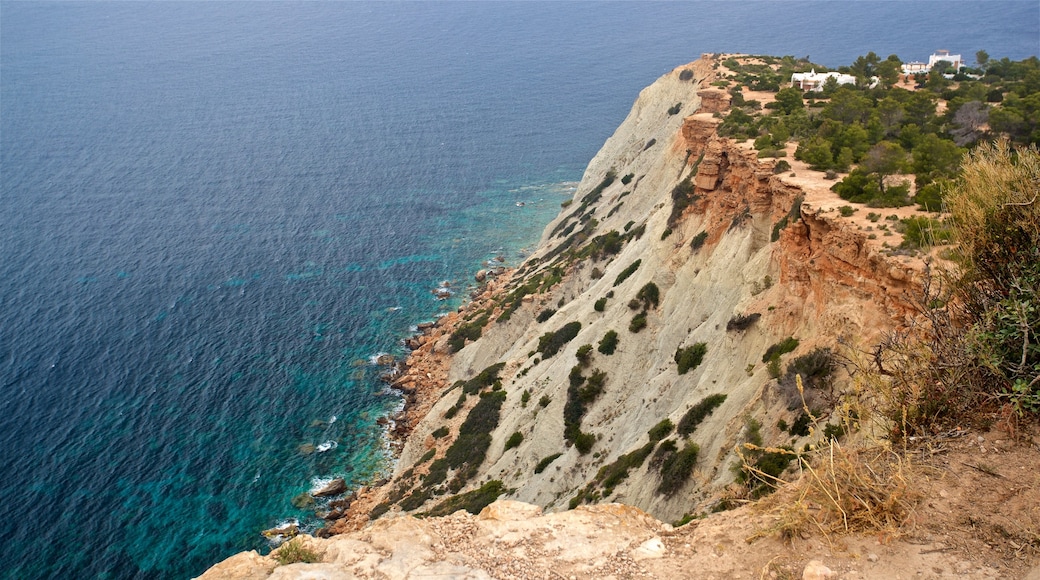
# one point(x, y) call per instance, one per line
point(944, 55)
point(813, 81)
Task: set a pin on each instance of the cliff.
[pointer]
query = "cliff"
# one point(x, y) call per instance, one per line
point(820, 279)
point(700, 257)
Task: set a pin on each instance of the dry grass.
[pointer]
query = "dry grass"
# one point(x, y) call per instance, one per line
point(861, 486)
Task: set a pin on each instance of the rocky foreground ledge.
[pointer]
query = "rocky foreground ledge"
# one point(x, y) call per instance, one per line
point(514, 540)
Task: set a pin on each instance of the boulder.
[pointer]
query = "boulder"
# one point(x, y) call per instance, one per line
point(335, 487)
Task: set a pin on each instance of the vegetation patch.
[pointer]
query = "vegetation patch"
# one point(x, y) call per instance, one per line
point(294, 552)
point(514, 440)
point(545, 315)
point(660, 430)
point(779, 349)
point(699, 413)
point(545, 462)
point(609, 476)
point(683, 195)
point(581, 393)
point(698, 241)
point(676, 468)
point(608, 344)
point(471, 501)
point(649, 295)
point(627, 272)
point(638, 323)
point(742, 321)
point(690, 357)
point(550, 343)
point(469, 331)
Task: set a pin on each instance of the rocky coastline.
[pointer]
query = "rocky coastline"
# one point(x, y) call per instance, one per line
point(420, 380)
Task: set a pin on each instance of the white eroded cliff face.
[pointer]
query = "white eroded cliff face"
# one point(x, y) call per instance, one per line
point(721, 254)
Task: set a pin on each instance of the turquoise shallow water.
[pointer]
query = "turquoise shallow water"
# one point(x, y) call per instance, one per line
point(215, 214)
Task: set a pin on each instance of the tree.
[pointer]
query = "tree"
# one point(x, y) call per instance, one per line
point(883, 159)
point(969, 119)
point(890, 115)
point(865, 66)
point(816, 151)
point(934, 157)
point(982, 58)
point(847, 106)
point(789, 100)
point(888, 72)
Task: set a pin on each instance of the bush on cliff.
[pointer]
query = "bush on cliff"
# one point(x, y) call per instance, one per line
point(471, 501)
point(550, 343)
point(689, 358)
point(608, 344)
point(698, 413)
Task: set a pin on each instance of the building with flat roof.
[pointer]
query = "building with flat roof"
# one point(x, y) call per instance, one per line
point(813, 81)
point(910, 68)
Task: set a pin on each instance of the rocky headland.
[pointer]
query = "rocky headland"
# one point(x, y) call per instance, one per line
point(629, 373)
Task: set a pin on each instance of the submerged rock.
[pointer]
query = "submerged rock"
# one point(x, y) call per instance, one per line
point(303, 501)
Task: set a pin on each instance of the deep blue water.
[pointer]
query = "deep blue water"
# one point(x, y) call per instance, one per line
point(214, 214)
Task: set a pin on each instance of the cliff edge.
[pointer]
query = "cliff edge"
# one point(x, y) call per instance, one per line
point(618, 378)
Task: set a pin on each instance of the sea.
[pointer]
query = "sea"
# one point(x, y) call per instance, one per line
point(217, 215)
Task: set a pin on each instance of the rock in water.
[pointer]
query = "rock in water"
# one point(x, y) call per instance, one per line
point(303, 501)
point(335, 487)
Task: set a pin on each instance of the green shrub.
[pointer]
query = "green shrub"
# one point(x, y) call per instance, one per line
point(426, 456)
point(470, 331)
point(584, 354)
point(698, 241)
point(439, 432)
point(600, 305)
point(566, 203)
point(924, 232)
point(699, 413)
point(742, 321)
point(545, 314)
point(638, 323)
point(815, 368)
point(473, 501)
point(608, 344)
point(544, 401)
point(525, 397)
point(609, 476)
point(846, 210)
point(627, 272)
point(583, 442)
point(485, 378)
point(773, 367)
point(551, 342)
point(293, 552)
point(781, 348)
point(800, 427)
point(649, 295)
point(781, 166)
point(627, 179)
point(660, 430)
point(676, 469)
point(667, 232)
point(674, 109)
point(514, 440)
point(690, 357)
point(545, 462)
